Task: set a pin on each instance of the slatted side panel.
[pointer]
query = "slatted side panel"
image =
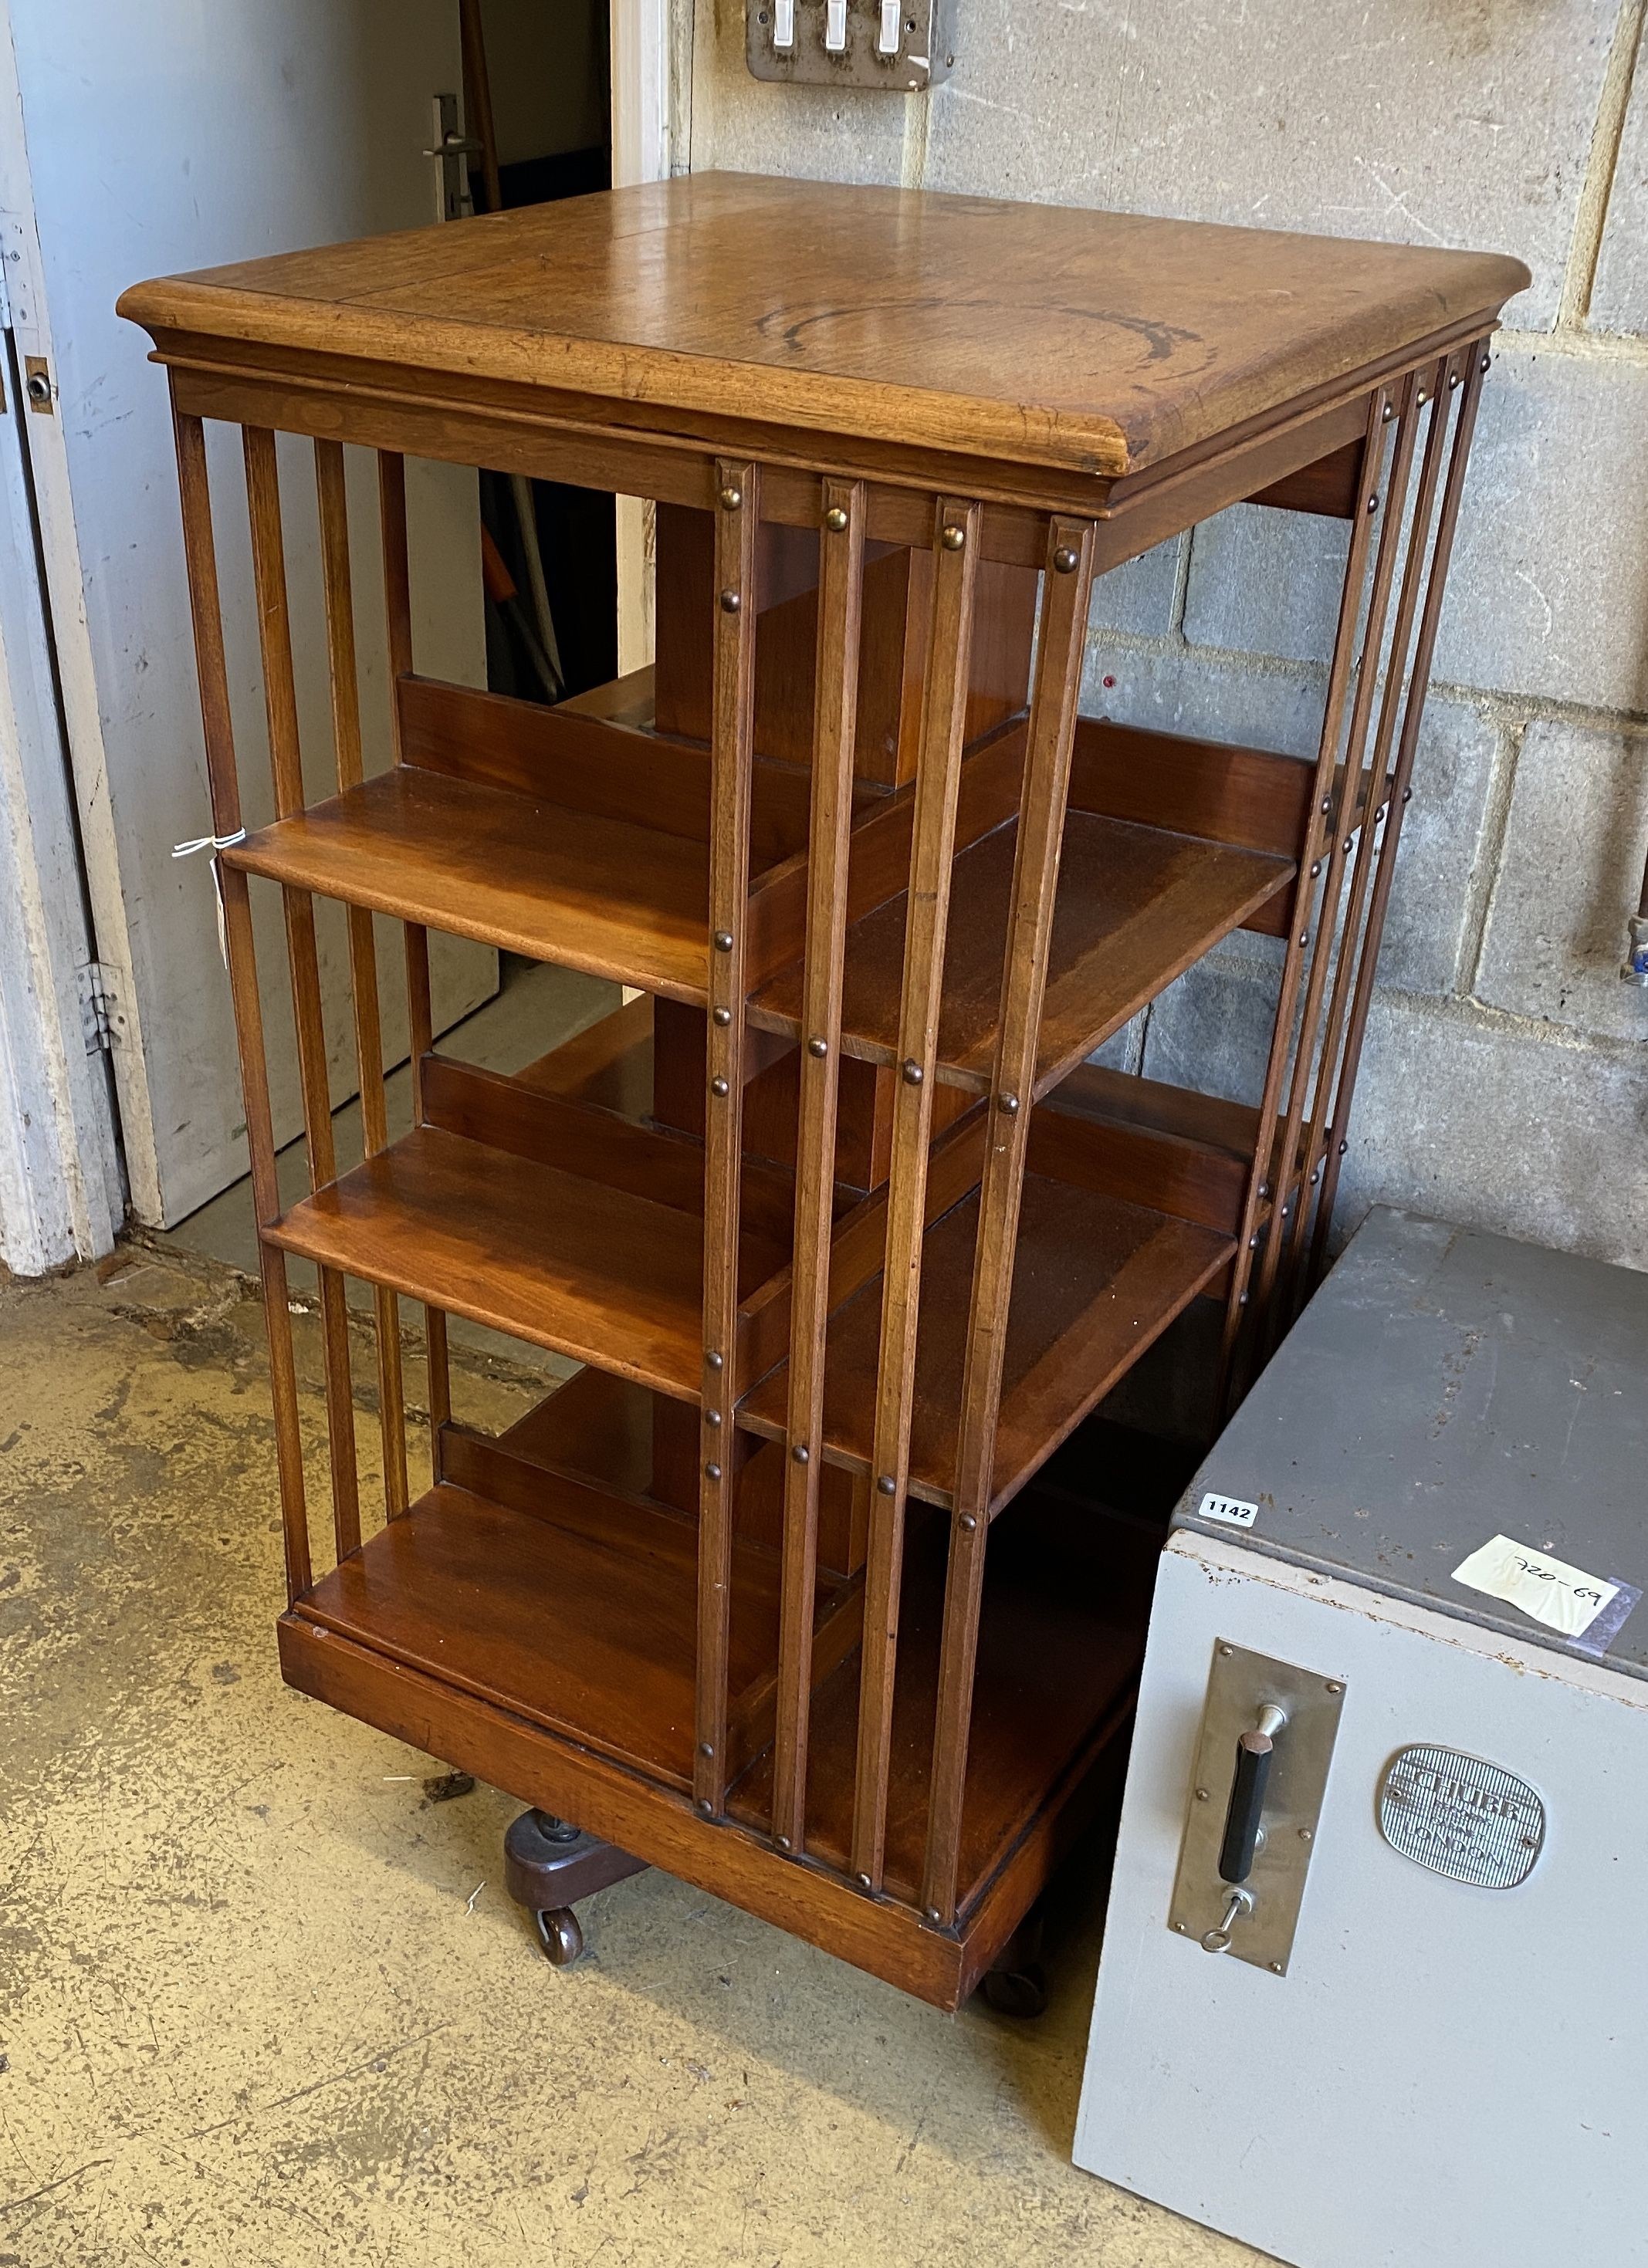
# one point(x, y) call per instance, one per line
point(938, 773)
point(731, 751)
point(1067, 588)
point(397, 598)
point(840, 603)
point(1463, 378)
point(1306, 891)
point(200, 553)
point(1391, 495)
point(362, 959)
point(280, 699)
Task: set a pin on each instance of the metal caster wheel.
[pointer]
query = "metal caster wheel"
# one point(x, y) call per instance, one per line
point(1021, 1992)
point(560, 1935)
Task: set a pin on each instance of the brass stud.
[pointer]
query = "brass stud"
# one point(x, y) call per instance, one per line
point(888, 1485)
point(1276, 1969)
point(707, 1747)
point(1304, 937)
point(931, 1913)
point(732, 496)
point(1316, 870)
point(913, 1073)
point(968, 1520)
point(835, 520)
point(783, 1841)
point(705, 1808)
point(863, 1881)
point(711, 1417)
point(730, 602)
point(723, 940)
point(953, 537)
point(1373, 505)
point(712, 1472)
point(1486, 365)
point(819, 1048)
point(1390, 411)
point(801, 1453)
point(1454, 379)
point(720, 1089)
point(1065, 560)
point(1333, 1686)
point(1343, 1148)
point(1420, 397)
point(1201, 1795)
point(722, 1016)
point(1008, 1106)
point(714, 1359)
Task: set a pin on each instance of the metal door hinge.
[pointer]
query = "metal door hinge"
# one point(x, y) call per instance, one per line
point(449, 155)
point(102, 1022)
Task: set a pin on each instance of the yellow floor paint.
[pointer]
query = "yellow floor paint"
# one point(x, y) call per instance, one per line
point(263, 2004)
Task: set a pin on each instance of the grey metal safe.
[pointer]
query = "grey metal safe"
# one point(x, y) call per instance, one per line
point(1374, 1987)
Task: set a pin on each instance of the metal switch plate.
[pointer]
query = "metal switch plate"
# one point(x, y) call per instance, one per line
point(901, 50)
point(1240, 1685)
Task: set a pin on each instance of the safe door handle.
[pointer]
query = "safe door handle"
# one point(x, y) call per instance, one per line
point(1253, 1753)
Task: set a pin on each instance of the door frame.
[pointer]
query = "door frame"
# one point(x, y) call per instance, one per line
point(651, 68)
point(61, 1191)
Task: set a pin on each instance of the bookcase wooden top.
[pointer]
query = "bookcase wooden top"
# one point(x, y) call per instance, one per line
point(1098, 342)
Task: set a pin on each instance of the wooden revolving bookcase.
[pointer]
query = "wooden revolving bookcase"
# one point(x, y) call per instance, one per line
point(844, 1224)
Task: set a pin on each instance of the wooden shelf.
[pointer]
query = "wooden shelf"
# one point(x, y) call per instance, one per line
point(1136, 906)
point(591, 1269)
point(576, 887)
point(1096, 1280)
point(1061, 1641)
point(580, 1616)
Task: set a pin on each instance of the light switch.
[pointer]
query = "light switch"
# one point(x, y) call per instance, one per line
point(784, 24)
point(835, 27)
point(887, 36)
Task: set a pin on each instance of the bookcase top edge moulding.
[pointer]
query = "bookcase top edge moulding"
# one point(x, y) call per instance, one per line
point(847, 1228)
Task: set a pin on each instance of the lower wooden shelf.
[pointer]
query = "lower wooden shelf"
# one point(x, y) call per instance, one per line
point(1061, 1640)
point(571, 1627)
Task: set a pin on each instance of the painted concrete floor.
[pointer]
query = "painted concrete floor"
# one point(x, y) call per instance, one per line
point(262, 2003)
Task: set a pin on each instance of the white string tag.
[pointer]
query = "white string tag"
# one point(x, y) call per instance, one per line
point(214, 844)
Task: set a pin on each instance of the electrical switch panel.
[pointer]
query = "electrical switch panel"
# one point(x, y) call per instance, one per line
point(900, 46)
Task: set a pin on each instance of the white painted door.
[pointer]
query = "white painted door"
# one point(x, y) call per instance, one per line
point(140, 141)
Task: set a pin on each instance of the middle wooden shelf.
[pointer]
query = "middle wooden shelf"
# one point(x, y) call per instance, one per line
point(572, 837)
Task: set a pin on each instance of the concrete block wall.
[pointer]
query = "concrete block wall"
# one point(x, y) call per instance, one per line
point(1505, 1081)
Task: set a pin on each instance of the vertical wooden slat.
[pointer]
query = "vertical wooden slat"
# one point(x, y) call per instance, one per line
point(1304, 891)
point(938, 776)
point(841, 583)
point(201, 554)
point(1067, 588)
point(397, 605)
point(1295, 1199)
point(1398, 788)
point(280, 701)
point(1365, 798)
point(737, 521)
point(363, 956)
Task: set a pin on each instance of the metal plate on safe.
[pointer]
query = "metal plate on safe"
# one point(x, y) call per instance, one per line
point(1240, 1685)
point(1471, 1821)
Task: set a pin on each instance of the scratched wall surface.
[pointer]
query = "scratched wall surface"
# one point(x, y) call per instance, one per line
point(1506, 1078)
